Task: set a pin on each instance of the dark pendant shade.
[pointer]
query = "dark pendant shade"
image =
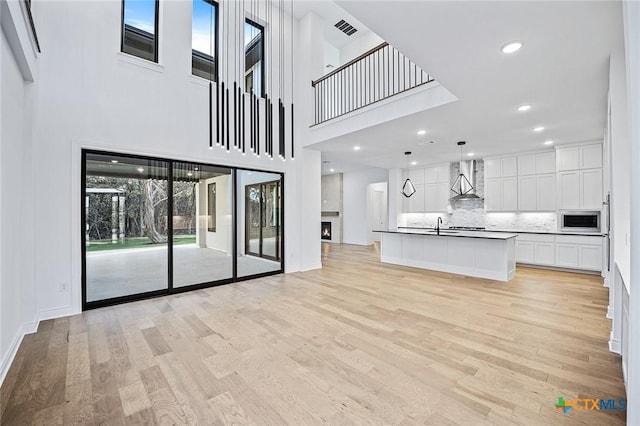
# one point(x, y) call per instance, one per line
point(408, 189)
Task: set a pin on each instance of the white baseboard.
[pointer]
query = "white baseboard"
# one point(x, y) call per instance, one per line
point(26, 328)
point(52, 313)
point(609, 312)
point(614, 345)
point(310, 267)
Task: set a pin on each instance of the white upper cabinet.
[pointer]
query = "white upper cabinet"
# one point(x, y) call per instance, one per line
point(437, 174)
point(526, 165)
point(500, 167)
point(579, 157)
point(569, 190)
point(591, 156)
point(568, 159)
point(492, 168)
point(546, 192)
point(527, 193)
point(591, 189)
point(416, 201)
point(510, 194)
point(432, 189)
point(545, 162)
point(580, 177)
point(501, 184)
point(536, 182)
point(416, 176)
point(509, 167)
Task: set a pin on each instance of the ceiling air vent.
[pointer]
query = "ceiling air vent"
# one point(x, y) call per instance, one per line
point(345, 27)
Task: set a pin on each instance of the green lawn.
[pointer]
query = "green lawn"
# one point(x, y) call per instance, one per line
point(135, 242)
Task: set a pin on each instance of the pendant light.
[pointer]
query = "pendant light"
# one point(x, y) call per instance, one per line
point(463, 186)
point(408, 189)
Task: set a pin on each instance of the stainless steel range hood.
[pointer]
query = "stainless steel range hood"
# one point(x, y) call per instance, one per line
point(464, 185)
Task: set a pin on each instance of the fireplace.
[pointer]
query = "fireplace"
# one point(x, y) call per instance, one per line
point(326, 231)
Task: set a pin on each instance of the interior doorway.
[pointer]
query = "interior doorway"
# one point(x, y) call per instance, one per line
point(378, 210)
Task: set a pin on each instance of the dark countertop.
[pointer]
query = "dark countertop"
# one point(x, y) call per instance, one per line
point(451, 233)
point(514, 231)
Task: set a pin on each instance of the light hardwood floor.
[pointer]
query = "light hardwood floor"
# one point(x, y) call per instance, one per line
point(358, 342)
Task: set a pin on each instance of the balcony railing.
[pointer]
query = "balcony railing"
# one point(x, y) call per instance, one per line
point(375, 75)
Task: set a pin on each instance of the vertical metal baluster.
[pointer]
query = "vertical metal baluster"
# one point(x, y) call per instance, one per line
point(378, 76)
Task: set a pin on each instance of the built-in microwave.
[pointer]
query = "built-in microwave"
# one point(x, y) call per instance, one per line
point(580, 221)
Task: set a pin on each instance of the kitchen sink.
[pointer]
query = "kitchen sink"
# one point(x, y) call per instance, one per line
point(442, 231)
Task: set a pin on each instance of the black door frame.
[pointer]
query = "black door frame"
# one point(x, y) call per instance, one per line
point(170, 289)
point(262, 212)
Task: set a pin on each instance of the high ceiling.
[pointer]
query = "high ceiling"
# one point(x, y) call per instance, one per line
point(561, 71)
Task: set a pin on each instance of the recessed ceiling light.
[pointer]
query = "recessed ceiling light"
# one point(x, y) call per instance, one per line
point(421, 132)
point(114, 161)
point(140, 169)
point(413, 163)
point(356, 148)
point(538, 129)
point(548, 142)
point(523, 108)
point(470, 154)
point(331, 170)
point(196, 169)
point(512, 47)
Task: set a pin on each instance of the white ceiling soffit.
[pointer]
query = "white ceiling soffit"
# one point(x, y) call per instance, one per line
point(561, 71)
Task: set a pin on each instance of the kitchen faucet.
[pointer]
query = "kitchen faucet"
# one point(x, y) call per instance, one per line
point(438, 225)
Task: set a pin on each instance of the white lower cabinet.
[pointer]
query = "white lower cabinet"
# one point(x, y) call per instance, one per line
point(567, 255)
point(544, 253)
point(564, 251)
point(524, 251)
point(535, 249)
point(578, 251)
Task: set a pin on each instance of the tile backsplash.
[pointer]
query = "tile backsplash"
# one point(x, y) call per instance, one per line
point(477, 217)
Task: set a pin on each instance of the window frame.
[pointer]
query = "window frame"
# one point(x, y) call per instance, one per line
point(216, 22)
point(263, 68)
point(156, 35)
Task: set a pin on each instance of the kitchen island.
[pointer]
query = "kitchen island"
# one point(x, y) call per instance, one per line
point(489, 255)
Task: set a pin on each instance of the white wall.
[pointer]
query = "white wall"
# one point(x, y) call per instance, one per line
point(619, 151)
point(93, 96)
point(17, 217)
point(358, 46)
point(355, 204)
point(621, 158)
point(632, 51)
point(331, 57)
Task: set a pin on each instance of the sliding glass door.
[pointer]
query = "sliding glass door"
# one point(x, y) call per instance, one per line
point(126, 244)
point(202, 228)
point(261, 222)
point(157, 226)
